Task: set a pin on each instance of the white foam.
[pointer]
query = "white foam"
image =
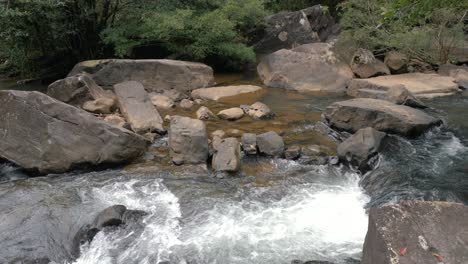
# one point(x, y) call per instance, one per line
point(313, 221)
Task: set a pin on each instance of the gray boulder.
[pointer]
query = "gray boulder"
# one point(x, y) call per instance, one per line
point(365, 65)
point(397, 62)
point(307, 68)
point(270, 144)
point(42, 134)
point(419, 84)
point(286, 30)
point(417, 232)
point(360, 148)
point(249, 143)
point(188, 141)
point(459, 73)
point(136, 106)
point(227, 156)
point(259, 110)
point(397, 94)
point(355, 114)
point(155, 75)
point(77, 89)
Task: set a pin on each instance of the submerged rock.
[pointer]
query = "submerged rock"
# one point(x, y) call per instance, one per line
point(231, 114)
point(419, 84)
point(259, 110)
point(154, 75)
point(360, 148)
point(203, 113)
point(42, 134)
point(417, 232)
point(270, 144)
point(355, 114)
point(293, 152)
point(307, 68)
point(286, 30)
point(222, 92)
point(113, 216)
point(188, 141)
point(77, 89)
point(136, 106)
point(227, 156)
point(365, 65)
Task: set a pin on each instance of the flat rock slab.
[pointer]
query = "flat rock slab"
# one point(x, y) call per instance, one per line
point(419, 84)
point(431, 232)
point(136, 106)
point(218, 93)
point(188, 141)
point(155, 75)
point(355, 114)
point(43, 134)
point(307, 68)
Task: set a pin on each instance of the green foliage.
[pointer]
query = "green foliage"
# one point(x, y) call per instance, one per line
point(428, 30)
point(293, 5)
point(196, 31)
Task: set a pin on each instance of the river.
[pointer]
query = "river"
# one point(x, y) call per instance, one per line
point(275, 211)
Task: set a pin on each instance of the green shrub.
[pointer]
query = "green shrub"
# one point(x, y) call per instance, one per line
point(428, 30)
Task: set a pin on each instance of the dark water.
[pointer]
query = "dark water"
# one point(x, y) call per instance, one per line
point(275, 213)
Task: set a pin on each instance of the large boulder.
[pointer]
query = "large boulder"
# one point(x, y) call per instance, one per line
point(395, 94)
point(77, 89)
point(417, 232)
point(288, 29)
point(360, 148)
point(188, 141)
point(43, 134)
point(155, 75)
point(222, 92)
point(459, 73)
point(355, 114)
point(136, 106)
point(419, 84)
point(307, 68)
point(227, 156)
point(270, 144)
point(365, 65)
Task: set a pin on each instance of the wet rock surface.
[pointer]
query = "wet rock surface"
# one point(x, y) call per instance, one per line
point(417, 232)
point(43, 134)
point(307, 68)
point(355, 114)
point(358, 149)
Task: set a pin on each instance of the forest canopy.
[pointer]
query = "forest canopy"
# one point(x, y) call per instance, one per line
point(38, 37)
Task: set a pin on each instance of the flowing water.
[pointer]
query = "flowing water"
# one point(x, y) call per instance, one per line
point(275, 211)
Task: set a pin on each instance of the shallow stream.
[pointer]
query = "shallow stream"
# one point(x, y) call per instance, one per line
point(275, 211)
